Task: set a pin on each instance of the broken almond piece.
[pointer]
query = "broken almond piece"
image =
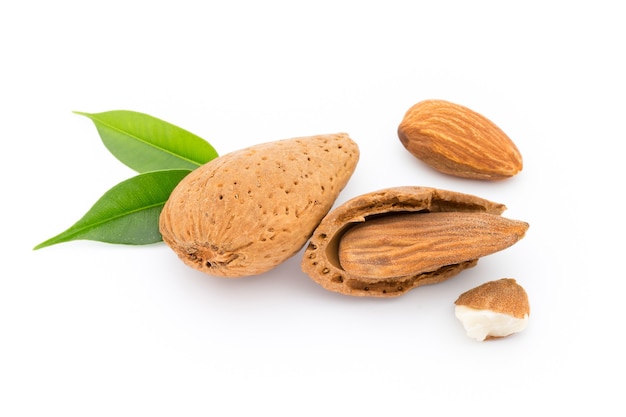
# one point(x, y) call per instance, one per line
point(494, 309)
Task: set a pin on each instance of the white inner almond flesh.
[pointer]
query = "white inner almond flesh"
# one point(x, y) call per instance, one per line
point(481, 324)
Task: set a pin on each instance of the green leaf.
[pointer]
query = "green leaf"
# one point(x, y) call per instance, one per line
point(145, 143)
point(128, 213)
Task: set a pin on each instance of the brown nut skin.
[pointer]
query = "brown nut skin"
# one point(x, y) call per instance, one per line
point(320, 260)
point(246, 212)
point(458, 141)
point(504, 296)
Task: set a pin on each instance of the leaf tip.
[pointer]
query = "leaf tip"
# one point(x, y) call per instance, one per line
point(49, 242)
point(41, 245)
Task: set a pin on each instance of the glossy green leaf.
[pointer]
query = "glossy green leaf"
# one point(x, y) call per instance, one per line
point(145, 143)
point(128, 213)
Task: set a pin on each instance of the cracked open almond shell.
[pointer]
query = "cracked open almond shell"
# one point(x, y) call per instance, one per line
point(321, 260)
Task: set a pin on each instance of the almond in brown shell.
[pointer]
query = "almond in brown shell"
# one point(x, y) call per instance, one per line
point(488, 234)
point(246, 212)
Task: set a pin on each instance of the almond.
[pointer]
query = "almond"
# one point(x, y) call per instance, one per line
point(494, 309)
point(405, 243)
point(458, 141)
point(246, 212)
point(377, 245)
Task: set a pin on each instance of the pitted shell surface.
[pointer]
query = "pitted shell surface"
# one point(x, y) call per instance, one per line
point(246, 212)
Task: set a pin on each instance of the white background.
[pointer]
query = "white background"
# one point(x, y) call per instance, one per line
point(90, 329)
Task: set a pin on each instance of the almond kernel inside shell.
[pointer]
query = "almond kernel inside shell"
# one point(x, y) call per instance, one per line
point(321, 257)
point(405, 243)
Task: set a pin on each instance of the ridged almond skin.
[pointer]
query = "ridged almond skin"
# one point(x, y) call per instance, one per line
point(321, 260)
point(400, 244)
point(458, 141)
point(248, 211)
